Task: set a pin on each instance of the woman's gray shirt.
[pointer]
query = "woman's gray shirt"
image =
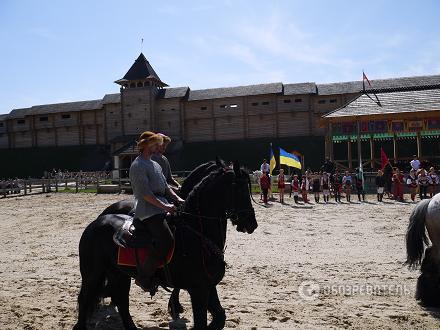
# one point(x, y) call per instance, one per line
point(146, 178)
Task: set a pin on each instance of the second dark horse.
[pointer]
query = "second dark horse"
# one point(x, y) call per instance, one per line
point(197, 265)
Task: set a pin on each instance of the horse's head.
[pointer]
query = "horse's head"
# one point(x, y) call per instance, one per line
point(241, 212)
point(224, 191)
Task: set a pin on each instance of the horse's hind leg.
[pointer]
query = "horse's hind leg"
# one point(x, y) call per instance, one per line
point(174, 306)
point(119, 289)
point(216, 310)
point(88, 298)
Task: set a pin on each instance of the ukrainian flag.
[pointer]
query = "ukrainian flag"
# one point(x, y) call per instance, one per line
point(272, 162)
point(289, 159)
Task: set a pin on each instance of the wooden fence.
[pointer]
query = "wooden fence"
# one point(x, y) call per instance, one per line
point(72, 181)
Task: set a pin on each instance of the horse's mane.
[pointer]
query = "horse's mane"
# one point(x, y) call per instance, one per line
point(195, 176)
point(209, 179)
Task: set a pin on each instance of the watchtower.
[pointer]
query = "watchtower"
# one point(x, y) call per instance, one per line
point(139, 88)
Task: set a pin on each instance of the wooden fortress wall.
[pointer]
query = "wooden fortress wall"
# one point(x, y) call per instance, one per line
point(245, 117)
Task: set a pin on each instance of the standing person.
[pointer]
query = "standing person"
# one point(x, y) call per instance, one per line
point(347, 182)
point(281, 185)
point(415, 163)
point(359, 181)
point(265, 168)
point(423, 182)
point(434, 181)
point(328, 166)
point(411, 182)
point(388, 176)
point(380, 184)
point(398, 185)
point(152, 204)
point(295, 187)
point(305, 186)
point(316, 185)
point(162, 160)
point(325, 185)
point(337, 186)
point(265, 183)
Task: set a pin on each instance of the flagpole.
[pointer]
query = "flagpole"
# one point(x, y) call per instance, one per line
point(363, 81)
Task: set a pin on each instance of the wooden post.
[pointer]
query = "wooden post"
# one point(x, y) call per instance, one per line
point(76, 185)
point(330, 128)
point(25, 187)
point(394, 148)
point(359, 144)
point(56, 185)
point(419, 145)
point(119, 183)
point(350, 165)
point(372, 160)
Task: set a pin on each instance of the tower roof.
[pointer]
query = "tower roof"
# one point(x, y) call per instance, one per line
point(141, 70)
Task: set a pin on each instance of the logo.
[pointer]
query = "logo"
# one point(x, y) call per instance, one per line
point(308, 290)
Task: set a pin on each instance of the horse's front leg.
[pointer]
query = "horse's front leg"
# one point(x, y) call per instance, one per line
point(199, 302)
point(216, 310)
point(174, 306)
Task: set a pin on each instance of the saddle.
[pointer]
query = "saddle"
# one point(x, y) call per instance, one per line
point(134, 245)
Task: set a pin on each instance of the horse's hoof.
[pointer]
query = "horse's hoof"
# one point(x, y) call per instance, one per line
point(178, 324)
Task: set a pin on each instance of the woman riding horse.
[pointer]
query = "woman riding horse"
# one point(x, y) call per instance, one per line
point(425, 218)
point(197, 265)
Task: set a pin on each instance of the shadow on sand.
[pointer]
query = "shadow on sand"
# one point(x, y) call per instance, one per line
point(107, 317)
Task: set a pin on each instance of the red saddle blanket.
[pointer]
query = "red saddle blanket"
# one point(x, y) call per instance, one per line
point(127, 256)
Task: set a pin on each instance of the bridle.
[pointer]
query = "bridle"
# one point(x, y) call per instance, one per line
point(231, 213)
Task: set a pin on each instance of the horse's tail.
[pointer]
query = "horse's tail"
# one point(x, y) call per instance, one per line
point(416, 237)
point(91, 267)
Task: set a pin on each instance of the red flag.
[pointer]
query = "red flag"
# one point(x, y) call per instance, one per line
point(364, 77)
point(383, 159)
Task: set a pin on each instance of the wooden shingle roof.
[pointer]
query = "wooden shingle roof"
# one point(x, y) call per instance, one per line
point(168, 93)
point(390, 103)
point(339, 88)
point(56, 108)
point(141, 70)
point(301, 88)
point(111, 98)
point(380, 85)
point(217, 93)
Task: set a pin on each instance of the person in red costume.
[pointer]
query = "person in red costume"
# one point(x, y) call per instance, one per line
point(398, 185)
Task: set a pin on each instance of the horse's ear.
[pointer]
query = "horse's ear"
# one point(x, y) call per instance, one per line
point(236, 166)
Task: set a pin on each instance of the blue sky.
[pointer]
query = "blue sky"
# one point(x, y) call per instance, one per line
point(61, 51)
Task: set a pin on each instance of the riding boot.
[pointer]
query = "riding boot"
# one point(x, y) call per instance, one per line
point(296, 199)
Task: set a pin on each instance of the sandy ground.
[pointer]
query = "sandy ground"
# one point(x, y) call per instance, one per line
point(307, 266)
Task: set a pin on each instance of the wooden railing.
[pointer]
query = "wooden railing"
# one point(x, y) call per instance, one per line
point(71, 181)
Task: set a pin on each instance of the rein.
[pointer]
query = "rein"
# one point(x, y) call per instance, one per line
point(206, 242)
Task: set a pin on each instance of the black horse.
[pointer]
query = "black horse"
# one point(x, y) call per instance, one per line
point(197, 265)
point(127, 206)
